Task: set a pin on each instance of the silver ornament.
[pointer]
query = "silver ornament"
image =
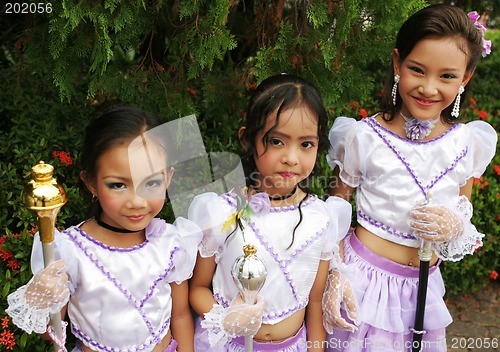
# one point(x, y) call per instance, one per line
point(249, 274)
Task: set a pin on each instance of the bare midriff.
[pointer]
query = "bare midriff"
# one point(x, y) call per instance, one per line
point(282, 330)
point(390, 250)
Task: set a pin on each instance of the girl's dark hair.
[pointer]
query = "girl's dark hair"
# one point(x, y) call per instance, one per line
point(435, 21)
point(277, 94)
point(111, 128)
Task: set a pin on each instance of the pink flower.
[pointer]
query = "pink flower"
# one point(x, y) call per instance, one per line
point(474, 16)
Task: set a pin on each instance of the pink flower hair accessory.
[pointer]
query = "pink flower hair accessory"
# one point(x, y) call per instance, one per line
point(474, 16)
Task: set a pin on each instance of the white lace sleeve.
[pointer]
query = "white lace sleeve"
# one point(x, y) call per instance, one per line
point(454, 250)
point(217, 336)
point(28, 317)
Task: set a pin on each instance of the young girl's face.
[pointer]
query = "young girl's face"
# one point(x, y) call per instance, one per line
point(291, 152)
point(131, 185)
point(431, 76)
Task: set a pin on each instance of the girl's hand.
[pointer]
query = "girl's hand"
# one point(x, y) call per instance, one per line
point(243, 319)
point(46, 293)
point(239, 319)
point(49, 289)
point(338, 290)
point(435, 223)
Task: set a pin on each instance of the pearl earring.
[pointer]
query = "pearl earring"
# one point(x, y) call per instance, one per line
point(456, 107)
point(394, 89)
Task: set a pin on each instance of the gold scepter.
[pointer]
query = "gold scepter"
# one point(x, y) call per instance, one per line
point(44, 196)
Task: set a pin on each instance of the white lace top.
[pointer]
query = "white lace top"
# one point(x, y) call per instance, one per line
point(121, 297)
point(392, 173)
point(291, 272)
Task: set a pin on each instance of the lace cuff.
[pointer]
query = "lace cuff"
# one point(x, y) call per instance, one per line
point(470, 239)
point(213, 322)
point(336, 264)
point(26, 316)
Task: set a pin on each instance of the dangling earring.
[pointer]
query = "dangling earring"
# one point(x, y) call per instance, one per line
point(456, 106)
point(394, 89)
point(94, 198)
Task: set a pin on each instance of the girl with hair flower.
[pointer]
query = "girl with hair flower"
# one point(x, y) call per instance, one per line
point(412, 166)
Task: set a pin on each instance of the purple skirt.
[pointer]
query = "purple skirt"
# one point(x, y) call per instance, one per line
point(387, 294)
point(296, 343)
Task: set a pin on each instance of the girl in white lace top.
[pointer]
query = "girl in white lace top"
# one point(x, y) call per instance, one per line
point(412, 166)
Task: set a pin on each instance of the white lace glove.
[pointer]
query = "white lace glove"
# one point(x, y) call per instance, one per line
point(46, 293)
point(339, 291)
point(448, 226)
point(239, 319)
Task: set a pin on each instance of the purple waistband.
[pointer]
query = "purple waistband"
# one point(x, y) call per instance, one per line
point(172, 346)
point(274, 346)
point(381, 262)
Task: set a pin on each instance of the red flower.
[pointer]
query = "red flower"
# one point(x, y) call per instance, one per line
point(354, 104)
point(478, 180)
point(6, 255)
point(472, 101)
point(363, 113)
point(494, 274)
point(7, 339)
point(64, 157)
point(484, 185)
point(483, 115)
point(5, 322)
point(13, 264)
point(496, 167)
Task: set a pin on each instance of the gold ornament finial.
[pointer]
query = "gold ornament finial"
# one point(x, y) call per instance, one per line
point(43, 195)
point(249, 250)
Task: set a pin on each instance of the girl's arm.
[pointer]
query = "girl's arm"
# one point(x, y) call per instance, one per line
point(200, 291)
point(181, 322)
point(466, 190)
point(338, 188)
point(316, 333)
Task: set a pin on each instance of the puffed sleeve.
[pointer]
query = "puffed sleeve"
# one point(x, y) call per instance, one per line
point(210, 211)
point(482, 147)
point(339, 219)
point(340, 212)
point(63, 250)
point(189, 236)
point(346, 150)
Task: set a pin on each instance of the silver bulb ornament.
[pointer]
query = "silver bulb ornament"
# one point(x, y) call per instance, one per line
point(249, 274)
